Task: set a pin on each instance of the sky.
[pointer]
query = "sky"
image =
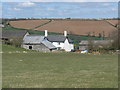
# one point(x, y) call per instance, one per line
point(59, 0)
point(65, 9)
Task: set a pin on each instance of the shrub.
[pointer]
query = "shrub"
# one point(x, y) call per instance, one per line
point(14, 41)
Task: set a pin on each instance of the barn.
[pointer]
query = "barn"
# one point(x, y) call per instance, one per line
point(38, 43)
point(9, 35)
point(84, 44)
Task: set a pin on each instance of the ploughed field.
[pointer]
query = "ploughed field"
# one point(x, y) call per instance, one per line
point(27, 24)
point(78, 27)
point(30, 69)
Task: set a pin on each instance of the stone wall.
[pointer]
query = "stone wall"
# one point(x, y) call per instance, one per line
point(40, 47)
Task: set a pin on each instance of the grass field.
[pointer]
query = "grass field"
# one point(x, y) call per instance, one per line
point(58, 70)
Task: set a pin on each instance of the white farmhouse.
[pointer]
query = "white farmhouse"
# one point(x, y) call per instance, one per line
point(60, 41)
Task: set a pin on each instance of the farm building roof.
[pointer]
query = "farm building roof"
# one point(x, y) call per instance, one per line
point(11, 33)
point(96, 42)
point(37, 39)
point(57, 38)
point(84, 42)
point(48, 44)
point(33, 39)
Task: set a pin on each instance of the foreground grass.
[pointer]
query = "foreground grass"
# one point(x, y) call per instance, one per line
point(62, 70)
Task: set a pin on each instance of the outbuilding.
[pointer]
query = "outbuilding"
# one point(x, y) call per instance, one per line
point(38, 43)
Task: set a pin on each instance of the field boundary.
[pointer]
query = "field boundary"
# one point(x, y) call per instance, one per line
point(41, 25)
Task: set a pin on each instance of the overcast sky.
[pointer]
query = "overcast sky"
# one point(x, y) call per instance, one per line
point(73, 9)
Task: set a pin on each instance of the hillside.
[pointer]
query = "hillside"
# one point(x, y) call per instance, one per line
point(8, 48)
point(77, 27)
point(27, 24)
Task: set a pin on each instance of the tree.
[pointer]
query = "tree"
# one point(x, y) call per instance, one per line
point(88, 34)
point(116, 41)
point(93, 34)
point(15, 41)
point(103, 34)
point(99, 35)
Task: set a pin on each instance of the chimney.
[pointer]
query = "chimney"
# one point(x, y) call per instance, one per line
point(65, 33)
point(46, 33)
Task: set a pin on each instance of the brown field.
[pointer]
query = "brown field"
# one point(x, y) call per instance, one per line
point(78, 27)
point(27, 24)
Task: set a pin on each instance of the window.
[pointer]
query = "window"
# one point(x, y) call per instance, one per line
point(30, 47)
point(59, 48)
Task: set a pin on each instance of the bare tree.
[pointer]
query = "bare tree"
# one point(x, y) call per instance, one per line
point(116, 41)
point(88, 34)
point(93, 34)
point(103, 34)
point(99, 35)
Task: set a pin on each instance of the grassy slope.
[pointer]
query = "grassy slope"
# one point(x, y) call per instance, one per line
point(8, 48)
point(11, 49)
point(11, 28)
point(39, 70)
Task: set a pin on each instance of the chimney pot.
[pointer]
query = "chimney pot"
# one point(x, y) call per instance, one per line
point(65, 33)
point(46, 33)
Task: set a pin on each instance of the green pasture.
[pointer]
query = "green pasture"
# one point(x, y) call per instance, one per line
point(57, 70)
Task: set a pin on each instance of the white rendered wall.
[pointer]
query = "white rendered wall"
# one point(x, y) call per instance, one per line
point(67, 46)
point(56, 44)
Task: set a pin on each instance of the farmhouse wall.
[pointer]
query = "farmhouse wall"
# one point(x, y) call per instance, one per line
point(58, 44)
point(67, 46)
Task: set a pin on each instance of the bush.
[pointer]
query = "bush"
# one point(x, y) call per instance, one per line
point(15, 41)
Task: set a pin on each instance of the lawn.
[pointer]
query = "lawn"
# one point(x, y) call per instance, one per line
point(58, 70)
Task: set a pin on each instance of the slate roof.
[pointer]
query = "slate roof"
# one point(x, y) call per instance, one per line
point(37, 39)
point(103, 42)
point(84, 42)
point(11, 33)
point(30, 39)
point(48, 44)
point(57, 38)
